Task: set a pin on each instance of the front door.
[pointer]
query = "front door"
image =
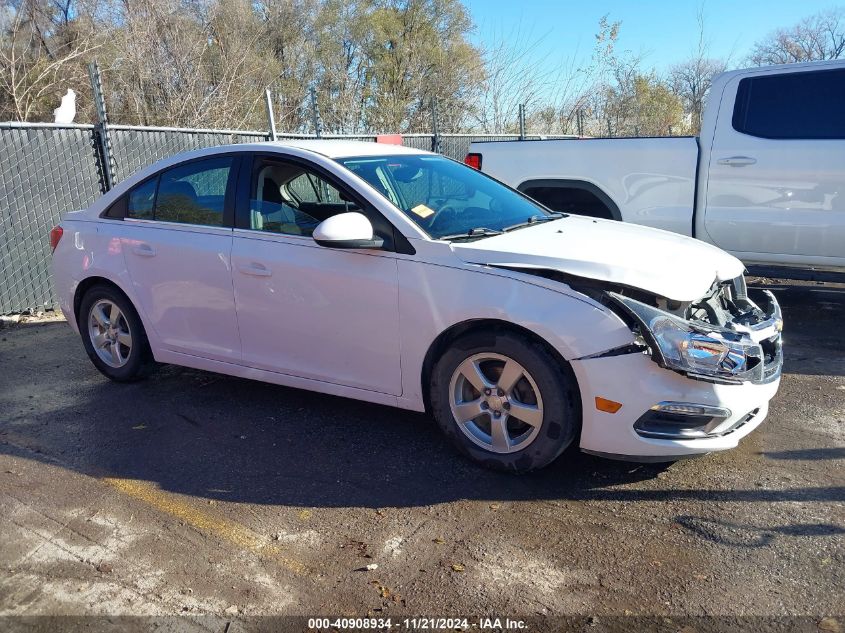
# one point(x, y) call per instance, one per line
point(776, 179)
point(307, 310)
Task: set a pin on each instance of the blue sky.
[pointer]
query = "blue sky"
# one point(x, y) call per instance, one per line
point(664, 31)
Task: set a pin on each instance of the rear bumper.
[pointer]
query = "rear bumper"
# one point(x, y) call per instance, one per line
point(64, 285)
point(640, 384)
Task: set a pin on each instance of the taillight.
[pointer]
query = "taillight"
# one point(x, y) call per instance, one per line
point(473, 160)
point(55, 235)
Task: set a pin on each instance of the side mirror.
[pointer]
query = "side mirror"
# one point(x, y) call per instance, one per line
point(346, 230)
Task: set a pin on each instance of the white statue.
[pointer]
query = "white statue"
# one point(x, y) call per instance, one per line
point(66, 112)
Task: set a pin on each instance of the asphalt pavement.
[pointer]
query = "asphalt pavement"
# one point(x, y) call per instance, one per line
point(195, 494)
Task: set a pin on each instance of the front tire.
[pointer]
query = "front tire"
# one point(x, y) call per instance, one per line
point(113, 335)
point(505, 401)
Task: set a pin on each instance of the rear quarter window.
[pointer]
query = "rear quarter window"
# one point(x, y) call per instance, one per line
point(141, 200)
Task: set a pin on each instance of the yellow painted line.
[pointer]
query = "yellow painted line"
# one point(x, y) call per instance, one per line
point(228, 530)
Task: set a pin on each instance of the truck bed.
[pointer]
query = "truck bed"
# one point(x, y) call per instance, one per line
point(652, 180)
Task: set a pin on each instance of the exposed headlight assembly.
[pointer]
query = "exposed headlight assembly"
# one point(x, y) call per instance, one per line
point(697, 350)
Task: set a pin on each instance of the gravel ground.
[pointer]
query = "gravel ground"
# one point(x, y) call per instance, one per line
point(195, 494)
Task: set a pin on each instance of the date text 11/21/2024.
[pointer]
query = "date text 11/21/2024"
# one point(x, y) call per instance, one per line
point(416, 624)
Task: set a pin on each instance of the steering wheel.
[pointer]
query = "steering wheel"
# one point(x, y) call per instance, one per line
point(441, 217)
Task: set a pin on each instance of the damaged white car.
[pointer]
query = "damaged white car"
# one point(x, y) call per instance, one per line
point(400, 277)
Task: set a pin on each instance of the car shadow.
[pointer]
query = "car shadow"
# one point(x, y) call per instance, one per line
point(217, 437)
point(752, 536)
point(223, 438)
point(807, 454)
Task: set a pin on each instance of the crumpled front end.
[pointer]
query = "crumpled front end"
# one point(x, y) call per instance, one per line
point(698, 377)
point(729, 335)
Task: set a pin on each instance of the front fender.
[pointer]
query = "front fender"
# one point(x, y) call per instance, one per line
point(434, 298)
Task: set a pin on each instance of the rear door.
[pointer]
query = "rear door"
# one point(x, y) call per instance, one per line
point(177, 242)
point(776, 179)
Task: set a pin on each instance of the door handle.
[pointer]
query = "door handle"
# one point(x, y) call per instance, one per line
point(144, 250)
point(257, 270)
point(737, 161)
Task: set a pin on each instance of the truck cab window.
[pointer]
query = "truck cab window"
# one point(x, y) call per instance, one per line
point(803, 105)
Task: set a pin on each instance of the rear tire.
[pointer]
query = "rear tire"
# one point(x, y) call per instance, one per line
point(505, 401)
point(113, 335)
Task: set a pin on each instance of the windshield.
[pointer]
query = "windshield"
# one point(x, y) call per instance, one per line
point(447, 199)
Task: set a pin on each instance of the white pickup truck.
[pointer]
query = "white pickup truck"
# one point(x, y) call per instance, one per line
point(764, 181)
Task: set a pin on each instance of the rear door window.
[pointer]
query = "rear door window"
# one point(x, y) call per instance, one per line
point(806, 105)
point(194, 193)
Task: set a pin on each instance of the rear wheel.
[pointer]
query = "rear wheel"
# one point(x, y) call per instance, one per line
point(113, 335)
point(505, 401)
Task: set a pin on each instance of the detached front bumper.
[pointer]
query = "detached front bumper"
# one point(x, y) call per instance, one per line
point(640, 384)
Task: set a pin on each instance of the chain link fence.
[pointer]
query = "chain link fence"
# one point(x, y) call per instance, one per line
point(44, 172)
point(136, 147)
point(47, 170)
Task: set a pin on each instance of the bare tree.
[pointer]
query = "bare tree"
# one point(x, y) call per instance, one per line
point(418, 52)
point(691, 79)
point(192, 64)
point(569, 101)
point(612, 102)
point(586, 113)
point(342, 38)
point(376, 65)
point(516, 73)
point(292, 36)
point(42, 53)
point(818, 37)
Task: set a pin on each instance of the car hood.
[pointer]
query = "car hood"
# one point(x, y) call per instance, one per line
point(670, 265)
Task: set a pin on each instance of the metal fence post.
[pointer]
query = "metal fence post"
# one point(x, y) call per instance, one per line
point(315, 114)
point(101, 129)
point(521, 121)
point(435, 130)
point(270, 118)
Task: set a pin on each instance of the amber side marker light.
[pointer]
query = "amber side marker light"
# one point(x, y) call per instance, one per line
point(608, 406)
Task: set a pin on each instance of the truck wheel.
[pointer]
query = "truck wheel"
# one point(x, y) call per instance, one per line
point(505, 401)
point(113, 335)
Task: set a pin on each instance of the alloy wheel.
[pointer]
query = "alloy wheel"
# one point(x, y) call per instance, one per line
point(496, 403)
point(109, 333)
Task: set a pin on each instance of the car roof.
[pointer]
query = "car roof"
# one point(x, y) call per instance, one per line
point(826, 64)
point(327, 148)
point(346, 148)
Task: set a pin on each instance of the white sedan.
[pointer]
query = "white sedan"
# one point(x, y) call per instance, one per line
point(401, 277)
